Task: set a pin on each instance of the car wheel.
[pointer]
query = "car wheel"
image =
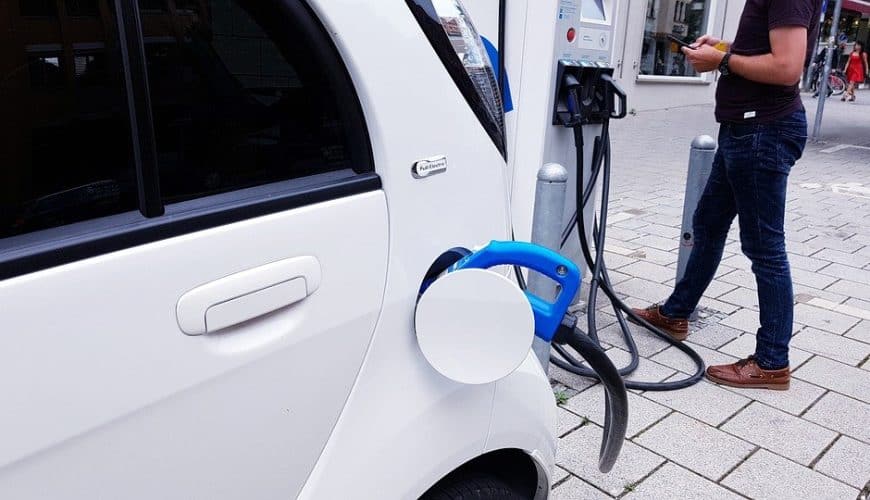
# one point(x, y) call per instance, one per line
point(476, 486)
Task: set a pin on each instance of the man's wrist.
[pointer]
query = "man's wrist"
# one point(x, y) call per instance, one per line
point(725, 64)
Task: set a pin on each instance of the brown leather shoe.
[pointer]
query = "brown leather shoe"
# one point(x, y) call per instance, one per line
point(747, 374)
point(678, 329)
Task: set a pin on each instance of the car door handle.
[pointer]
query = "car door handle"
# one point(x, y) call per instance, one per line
point(246, 295)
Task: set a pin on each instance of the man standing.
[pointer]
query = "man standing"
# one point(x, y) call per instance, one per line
point(762, 134)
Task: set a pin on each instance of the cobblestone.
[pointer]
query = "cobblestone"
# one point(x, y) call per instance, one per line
point(811, 441)
point(766, 476)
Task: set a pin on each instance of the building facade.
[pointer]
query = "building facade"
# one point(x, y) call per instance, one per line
point(650, 66)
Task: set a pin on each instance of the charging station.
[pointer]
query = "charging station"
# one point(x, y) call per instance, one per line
point(579, 33)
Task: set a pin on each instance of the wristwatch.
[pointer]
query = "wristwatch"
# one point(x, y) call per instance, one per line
point(724, 66)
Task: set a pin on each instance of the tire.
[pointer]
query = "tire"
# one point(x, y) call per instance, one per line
point(474, 486)
point(837, 85)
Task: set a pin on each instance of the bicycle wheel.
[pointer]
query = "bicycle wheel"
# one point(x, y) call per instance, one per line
point(837, 85)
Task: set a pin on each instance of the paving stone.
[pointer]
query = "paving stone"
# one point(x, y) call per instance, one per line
point(715, 336)
point(744, 346)
point(738, 261)
point(860, 332)
point(566, 421)
point(642, 414)
point(718, 305)
point(703, 401)
point(836, 376)
point(647, 343)
point(617, 277)
point(645, 290)
point(847, 273)
point(848, 460)
point(647, 371)
point(673, 481)
point(615, 261)
point(578, 453)
point(745, 320)
point(678, 360)
point(780, 432)
point(842, 308)
point(619, 234)
point(740, 278)
point(795, 400)
point(765, 476)
point(850, 289)
point(811, 264)
point(842, 414)
point(743, 297)
point(811, 279)
point(569, 379)
point(848, 259)
point(815, 292)
point(649, 271)
point(631, 224)
point(831, 346)
point(660, 257)
point(658, 242)
point(712, 452)
point(825, 241)
point(575, 489)
point(858, 303)
point(823, 319)
point(559, 474)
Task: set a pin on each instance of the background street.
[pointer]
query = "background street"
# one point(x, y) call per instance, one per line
point(711, 442)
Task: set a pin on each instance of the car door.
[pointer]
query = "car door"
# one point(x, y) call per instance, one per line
point(193, 247)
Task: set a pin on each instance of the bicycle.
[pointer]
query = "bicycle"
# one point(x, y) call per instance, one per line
point(836, 83)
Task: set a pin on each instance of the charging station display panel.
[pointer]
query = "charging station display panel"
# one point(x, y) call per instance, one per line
point(593, 10)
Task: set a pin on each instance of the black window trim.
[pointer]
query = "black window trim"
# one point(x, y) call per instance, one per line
point(57, 246)
point(436, 35)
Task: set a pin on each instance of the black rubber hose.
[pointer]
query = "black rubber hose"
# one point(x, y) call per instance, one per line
point(616, 399)
point(601, 281)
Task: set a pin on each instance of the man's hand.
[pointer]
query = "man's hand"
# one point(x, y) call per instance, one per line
point(706, 40)
point(705, 58)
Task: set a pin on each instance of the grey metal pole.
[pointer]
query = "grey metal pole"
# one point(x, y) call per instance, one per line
point(547, 231)
point(823, 88)
point(700, 165)
point(808, 74)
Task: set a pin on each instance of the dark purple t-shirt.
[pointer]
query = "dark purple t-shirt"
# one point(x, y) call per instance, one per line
point(742, 100)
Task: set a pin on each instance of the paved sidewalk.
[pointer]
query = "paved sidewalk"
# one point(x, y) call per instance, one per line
point(711, 442)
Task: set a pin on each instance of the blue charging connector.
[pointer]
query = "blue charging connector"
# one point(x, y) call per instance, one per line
point(548, 315)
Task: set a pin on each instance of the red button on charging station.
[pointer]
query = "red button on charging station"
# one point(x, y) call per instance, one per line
point(572, 35)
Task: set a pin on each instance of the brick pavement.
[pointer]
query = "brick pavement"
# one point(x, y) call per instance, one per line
point(714, 442)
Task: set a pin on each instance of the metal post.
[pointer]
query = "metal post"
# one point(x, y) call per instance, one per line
point(547, 231)
point(823, 88)
point(700, 165)
point(808, 74)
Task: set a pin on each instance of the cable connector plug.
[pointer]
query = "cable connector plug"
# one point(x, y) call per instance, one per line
point(566, 329)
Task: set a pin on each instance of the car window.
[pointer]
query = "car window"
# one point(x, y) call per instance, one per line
point(238, 100)
point(239, 97)
point(65, 139)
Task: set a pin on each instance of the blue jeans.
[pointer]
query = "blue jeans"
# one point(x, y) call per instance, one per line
point(749, 180)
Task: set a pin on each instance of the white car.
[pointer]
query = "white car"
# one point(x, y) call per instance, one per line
point(212, 243)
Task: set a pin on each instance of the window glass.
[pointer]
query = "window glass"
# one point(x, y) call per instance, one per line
point(684, 19)
point(238, 100)
point(65, 142)
point(38, 8)
point(82, 8)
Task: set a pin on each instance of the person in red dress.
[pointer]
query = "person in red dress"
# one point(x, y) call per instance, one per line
point(856, 70)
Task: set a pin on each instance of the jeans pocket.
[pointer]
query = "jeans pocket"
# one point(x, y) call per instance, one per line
point(742, 132)
point(790, 147)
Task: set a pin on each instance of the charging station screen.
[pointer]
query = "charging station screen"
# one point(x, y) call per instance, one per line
point(593, 10)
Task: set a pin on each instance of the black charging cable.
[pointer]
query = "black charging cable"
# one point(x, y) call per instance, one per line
point(599, 278)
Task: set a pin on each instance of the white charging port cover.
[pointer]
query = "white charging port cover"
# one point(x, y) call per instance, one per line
point(474, 326)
